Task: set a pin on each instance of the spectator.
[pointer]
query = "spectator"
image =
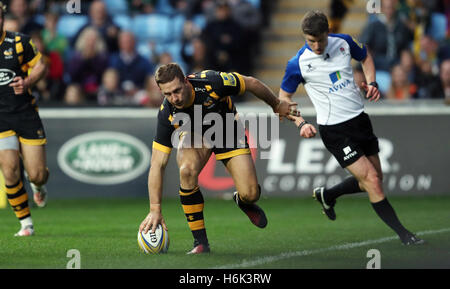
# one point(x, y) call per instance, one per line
point(387, 36)
point(196, 60)
point(142, 6)
point(407, 62)
point(250, 19)
point(338, 11)
point(74, 95)
point(100, 20)
point(132, 67)
point(11, 24)
point(164, 58)
point(89, 61)
point(429, 53)
point(52, 86)
point(445, 81)
point(401, 88)
point(53, 41)
point(151, 95)
point(20, 9)
point(189, 8)
point(110, 93)
point(223, 38)
point(428, 83)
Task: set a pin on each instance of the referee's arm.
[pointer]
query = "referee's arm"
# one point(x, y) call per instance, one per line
point(368, 66)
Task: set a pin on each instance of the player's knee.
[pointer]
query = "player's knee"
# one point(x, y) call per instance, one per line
point(11, 173)
point(251, 194)
point(188, 171)
point(38, 176)
point(373, 178)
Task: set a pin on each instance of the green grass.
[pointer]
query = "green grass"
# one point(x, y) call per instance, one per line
point(104, 231)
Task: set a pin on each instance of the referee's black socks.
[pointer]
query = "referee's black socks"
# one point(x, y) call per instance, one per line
point(385, 211)
point(348, 186)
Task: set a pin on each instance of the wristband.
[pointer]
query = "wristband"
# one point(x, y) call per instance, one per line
point(302, 124)
point(374, 84)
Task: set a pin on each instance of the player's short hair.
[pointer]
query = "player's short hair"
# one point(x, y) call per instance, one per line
point(315, 23)
point(167, 73)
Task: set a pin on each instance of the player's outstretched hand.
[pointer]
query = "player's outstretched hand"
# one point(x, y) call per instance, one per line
point(372, 93)
point(151, 222)
point(308, 131)
point(287, 109)
point(18, 84)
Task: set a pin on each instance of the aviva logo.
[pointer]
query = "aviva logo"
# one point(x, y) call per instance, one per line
point(335, 76)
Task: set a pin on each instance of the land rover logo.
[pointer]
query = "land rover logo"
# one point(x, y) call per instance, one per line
point(104, 158)
point(6, 76)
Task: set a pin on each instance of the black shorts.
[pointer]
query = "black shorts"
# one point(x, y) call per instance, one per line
point(26, 125)
point(234, 142)
point(350, 140)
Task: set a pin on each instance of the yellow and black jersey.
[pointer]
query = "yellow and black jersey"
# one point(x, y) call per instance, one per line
point(17, 55)
point(206, 85)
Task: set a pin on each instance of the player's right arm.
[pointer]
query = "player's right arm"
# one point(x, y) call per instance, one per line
point(161, 149)
point(155, 187)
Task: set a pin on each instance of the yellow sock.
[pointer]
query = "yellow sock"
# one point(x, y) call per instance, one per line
point(3, 201)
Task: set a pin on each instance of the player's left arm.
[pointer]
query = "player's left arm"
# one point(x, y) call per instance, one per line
point(368, 66)
point(263, 92)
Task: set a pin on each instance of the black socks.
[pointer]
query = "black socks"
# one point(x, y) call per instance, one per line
point(385, 211)
point(348, 186)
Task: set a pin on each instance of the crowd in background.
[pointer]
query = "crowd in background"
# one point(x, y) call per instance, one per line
point(410, 43)
point(105, 52)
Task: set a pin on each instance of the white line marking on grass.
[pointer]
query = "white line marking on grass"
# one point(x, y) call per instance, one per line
point(346, 246)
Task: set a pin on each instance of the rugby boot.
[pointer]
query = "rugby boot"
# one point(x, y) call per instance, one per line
point(327, 208)
point(253, 212)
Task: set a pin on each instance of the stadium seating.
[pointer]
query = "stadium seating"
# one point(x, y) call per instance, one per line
point(383, 80)
point(40, 18)
point(177, 23)
point(256, 3)
point(123, 21)
point(68, 25)
point(152, 27)
point(115, 7)
point(438, 27)
point(199, 20)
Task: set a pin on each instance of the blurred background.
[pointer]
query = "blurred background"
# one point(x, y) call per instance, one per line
point(104, 52)
point(99, 101)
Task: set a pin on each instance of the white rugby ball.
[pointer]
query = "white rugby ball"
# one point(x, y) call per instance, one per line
point(154, 243)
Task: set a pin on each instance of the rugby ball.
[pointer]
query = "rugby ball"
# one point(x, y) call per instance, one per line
point(154, 243)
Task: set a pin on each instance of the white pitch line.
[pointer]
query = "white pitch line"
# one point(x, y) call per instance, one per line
point(346, 246)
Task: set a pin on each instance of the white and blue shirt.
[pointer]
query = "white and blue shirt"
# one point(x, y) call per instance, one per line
point(328, 78)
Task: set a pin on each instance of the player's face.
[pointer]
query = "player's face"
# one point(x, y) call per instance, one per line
point(177, 92)
point(317, 43)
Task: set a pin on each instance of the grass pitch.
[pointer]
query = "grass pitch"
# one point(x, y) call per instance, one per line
point(298, 236)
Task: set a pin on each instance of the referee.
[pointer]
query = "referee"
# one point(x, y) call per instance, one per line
point(323, 65)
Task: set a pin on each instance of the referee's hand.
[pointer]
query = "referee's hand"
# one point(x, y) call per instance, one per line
point(308, 131)
point(373, 94)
